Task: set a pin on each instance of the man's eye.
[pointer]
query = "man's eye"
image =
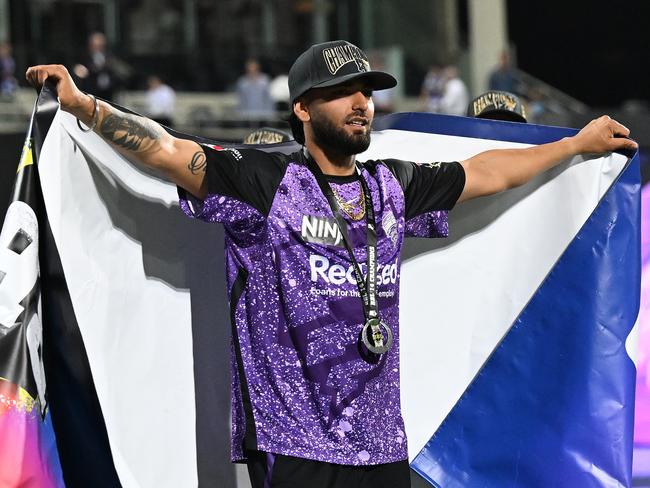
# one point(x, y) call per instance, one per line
point(367, 93)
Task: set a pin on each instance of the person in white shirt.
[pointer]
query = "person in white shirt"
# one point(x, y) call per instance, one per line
point(160, 101)
point(455, 96)
point(253, 93)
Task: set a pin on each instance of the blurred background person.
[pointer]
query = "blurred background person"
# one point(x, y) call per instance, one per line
point(160, 101)
point(431, 91)
point(279, 90)
point(503, 76)
point(253, 93)
point(8, 83)
point(384, 100)
point(99, 72)
point(455, 96)
point(537, 109)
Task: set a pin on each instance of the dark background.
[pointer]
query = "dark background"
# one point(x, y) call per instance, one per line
point(595, 51)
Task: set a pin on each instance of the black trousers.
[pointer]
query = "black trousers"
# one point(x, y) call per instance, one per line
point(279, 471)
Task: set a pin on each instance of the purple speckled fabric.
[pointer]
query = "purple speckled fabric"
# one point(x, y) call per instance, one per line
point(430, 224)
point(312, 391)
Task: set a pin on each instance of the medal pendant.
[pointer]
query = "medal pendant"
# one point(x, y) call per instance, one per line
point(374, 338)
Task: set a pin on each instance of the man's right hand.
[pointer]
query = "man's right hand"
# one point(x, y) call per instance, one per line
point(183, 161)
point(71, 98)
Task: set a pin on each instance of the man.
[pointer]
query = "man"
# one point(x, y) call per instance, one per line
point(8, 83)
point(431, 90)
point(312, 252)
point(454, 94)
point(503, 77)
point(253, 92)
point(96, 71)
point(161, 101)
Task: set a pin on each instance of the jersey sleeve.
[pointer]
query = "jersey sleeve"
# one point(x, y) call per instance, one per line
point(430, 224)
point(428, 187)
point(241, 187)
point(430, 191)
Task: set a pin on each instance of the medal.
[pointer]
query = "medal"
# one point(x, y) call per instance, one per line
point(373, 337)
point(376, 336)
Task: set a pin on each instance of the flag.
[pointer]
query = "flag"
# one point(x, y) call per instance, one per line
point(513, 330)
point(28, 454)
point(525, 379)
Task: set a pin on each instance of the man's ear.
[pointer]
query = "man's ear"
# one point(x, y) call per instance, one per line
point(301, 109)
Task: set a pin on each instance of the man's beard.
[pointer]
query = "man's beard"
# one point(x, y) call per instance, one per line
point(335, 140)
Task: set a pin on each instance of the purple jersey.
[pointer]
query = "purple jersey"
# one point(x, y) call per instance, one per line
point(301, 384)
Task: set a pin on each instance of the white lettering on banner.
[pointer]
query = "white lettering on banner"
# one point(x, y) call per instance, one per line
point(335, 274)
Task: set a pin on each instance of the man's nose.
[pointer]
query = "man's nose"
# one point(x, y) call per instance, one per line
point(359, 101)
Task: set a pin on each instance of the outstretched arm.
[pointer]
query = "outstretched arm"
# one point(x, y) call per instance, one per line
point(500, 169)
point(182, 161)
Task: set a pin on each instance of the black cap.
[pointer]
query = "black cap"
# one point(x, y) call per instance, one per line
point(332, 63)
point(497, 105)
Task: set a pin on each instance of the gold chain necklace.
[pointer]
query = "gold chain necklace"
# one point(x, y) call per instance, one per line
point(351, 209)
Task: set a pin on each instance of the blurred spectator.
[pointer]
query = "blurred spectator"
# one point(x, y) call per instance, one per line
point(455, 96)
point(384, 100)
point(98, 71)
point(279, 92)
point(8, 83)
point(503, 77)
point(497, 105)
point(432, 87)
point(537, 109)
point(253, 92)
point(160, 101)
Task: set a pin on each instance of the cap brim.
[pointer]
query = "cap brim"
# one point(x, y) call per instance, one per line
point(377, 80)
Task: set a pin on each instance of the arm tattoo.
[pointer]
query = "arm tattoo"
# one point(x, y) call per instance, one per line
point(130, 132)
point(198, 163)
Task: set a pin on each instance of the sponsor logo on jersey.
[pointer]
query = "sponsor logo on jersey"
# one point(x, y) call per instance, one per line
point(322, 270)
point(236, 154)
point(338, 56)
point(389, 224)
point(321, 230)
point(214, 146)
point(432, 165)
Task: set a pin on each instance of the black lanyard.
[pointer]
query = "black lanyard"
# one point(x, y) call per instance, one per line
point(373, 337)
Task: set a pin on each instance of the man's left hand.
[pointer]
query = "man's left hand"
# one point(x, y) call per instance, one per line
point(602, 135)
